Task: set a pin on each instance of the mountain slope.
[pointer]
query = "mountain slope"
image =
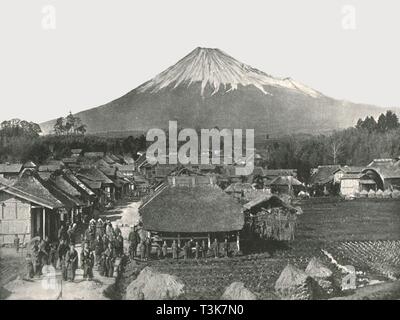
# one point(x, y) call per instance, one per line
point(209, 88)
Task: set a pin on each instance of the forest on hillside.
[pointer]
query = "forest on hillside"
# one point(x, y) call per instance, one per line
point(357, 146)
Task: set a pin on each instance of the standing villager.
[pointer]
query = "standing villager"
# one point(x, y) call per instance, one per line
point(119, 245)
point(37, 268)
point(142, 250)
point(90, 236)
point(62, 234)
point(87, 262)
point(174, 248)
point(106, 241)
point(99, 249)
point(197, 251)
point(225, 247)
point(29, 266)
point(110, 232)
point(158, 251)
point(110, 259)
point(133, 243)
point(53, 255)
point(117, 231)
point(148, 248)
point(16, 243)
point(61, 252)
point(164, 250)
point(71, 261)
point(204, 249)
point(185, 250)
point(215, 247)
point(44, 252)
point(99, 227)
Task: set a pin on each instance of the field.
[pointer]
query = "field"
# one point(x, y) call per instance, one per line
point(362, 233)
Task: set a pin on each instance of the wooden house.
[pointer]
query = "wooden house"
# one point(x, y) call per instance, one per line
point(10, 170)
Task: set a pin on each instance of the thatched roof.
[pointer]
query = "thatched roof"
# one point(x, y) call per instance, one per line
point(285, 181)
point(203, 208)
point(239, 187)
point(10, 167)
point(324, 174)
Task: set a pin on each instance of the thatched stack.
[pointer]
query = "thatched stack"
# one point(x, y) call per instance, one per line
point(364, 194)
point(396, 194)
point(294, 284)
point(379, 194)
point(321, 274)
point(387, 194)
point(371, 194)
point(237, 291)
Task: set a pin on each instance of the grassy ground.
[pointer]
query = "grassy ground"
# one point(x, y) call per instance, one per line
point(363, 233)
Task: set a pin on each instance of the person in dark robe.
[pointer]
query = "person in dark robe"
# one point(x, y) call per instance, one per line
point(106, 241)
point(164, 249)
point(215, 247)
point(185, 250)
point(142, 250)
point(117, 231)
point(133, 239)
point(99, 228)
point(44, 252)
point(36, 259)
point(71, 261)
point(174, 248)
point(53, 256)
point(29, 266)
point(197, 250)
point(110, 259)
point(110, 231)
point(158, 251)
point(119, 245)
point(99, 248)
point(90, 236)
point(225, 248)
point(87, 262)
point(148, 246)
point(16, 243)
point(62, 234)
point(204, 249)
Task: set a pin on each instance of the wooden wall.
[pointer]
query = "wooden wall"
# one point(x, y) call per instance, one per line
point(15, 218)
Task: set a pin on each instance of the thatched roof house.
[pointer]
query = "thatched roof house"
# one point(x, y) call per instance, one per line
point(191, 209)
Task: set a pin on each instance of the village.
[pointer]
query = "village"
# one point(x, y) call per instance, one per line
point(133, 225)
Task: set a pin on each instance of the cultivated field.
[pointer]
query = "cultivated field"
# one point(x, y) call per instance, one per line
point(363, 233)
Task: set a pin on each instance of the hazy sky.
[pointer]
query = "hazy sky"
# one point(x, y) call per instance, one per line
point(99, 50)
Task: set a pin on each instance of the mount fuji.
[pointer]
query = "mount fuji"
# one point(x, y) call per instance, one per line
point(208, 88)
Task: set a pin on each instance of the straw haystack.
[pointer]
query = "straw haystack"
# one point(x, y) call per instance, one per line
point(364, 194)
point(150, 285)
point(396, 194)
point(294, 284)
point(321, 274)
point(237, 291)
point(379, 194)
point(387, 194)
point(371, 194)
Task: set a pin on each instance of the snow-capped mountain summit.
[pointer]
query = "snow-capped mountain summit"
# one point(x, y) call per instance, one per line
point(220, 71)
point(209, 88)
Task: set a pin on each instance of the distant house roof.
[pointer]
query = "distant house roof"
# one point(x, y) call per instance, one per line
point(203, 208)
point(70, 160)
point(75, 181)
point(108, 159)
point(364, 178)
point(324, 174)
point(10, 168)
point(30, 164)
point(129, 160)
point(352, 169)
point(386, 168)
point(285, 181)
point(114, 157)
point(30, 187)
point(76, 151)
point(93, 174)
point(162, 171)
point(49, 167)
point(265, 200)
point(239, 187)
point(272, 173)
point(126, 167)
point(94, 154)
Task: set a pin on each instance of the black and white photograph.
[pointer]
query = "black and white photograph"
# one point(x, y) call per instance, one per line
point(181, 150)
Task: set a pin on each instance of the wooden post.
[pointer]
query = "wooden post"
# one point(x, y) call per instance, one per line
point(238, 240)
point(44, 222)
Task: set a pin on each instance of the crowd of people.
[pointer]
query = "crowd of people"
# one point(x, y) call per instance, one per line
point(102, 244)
point(143, 248)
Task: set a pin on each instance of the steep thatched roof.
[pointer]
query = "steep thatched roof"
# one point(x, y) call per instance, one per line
point(203, 208)
point(324, 174)
point(285, 181)
point(239, 187)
